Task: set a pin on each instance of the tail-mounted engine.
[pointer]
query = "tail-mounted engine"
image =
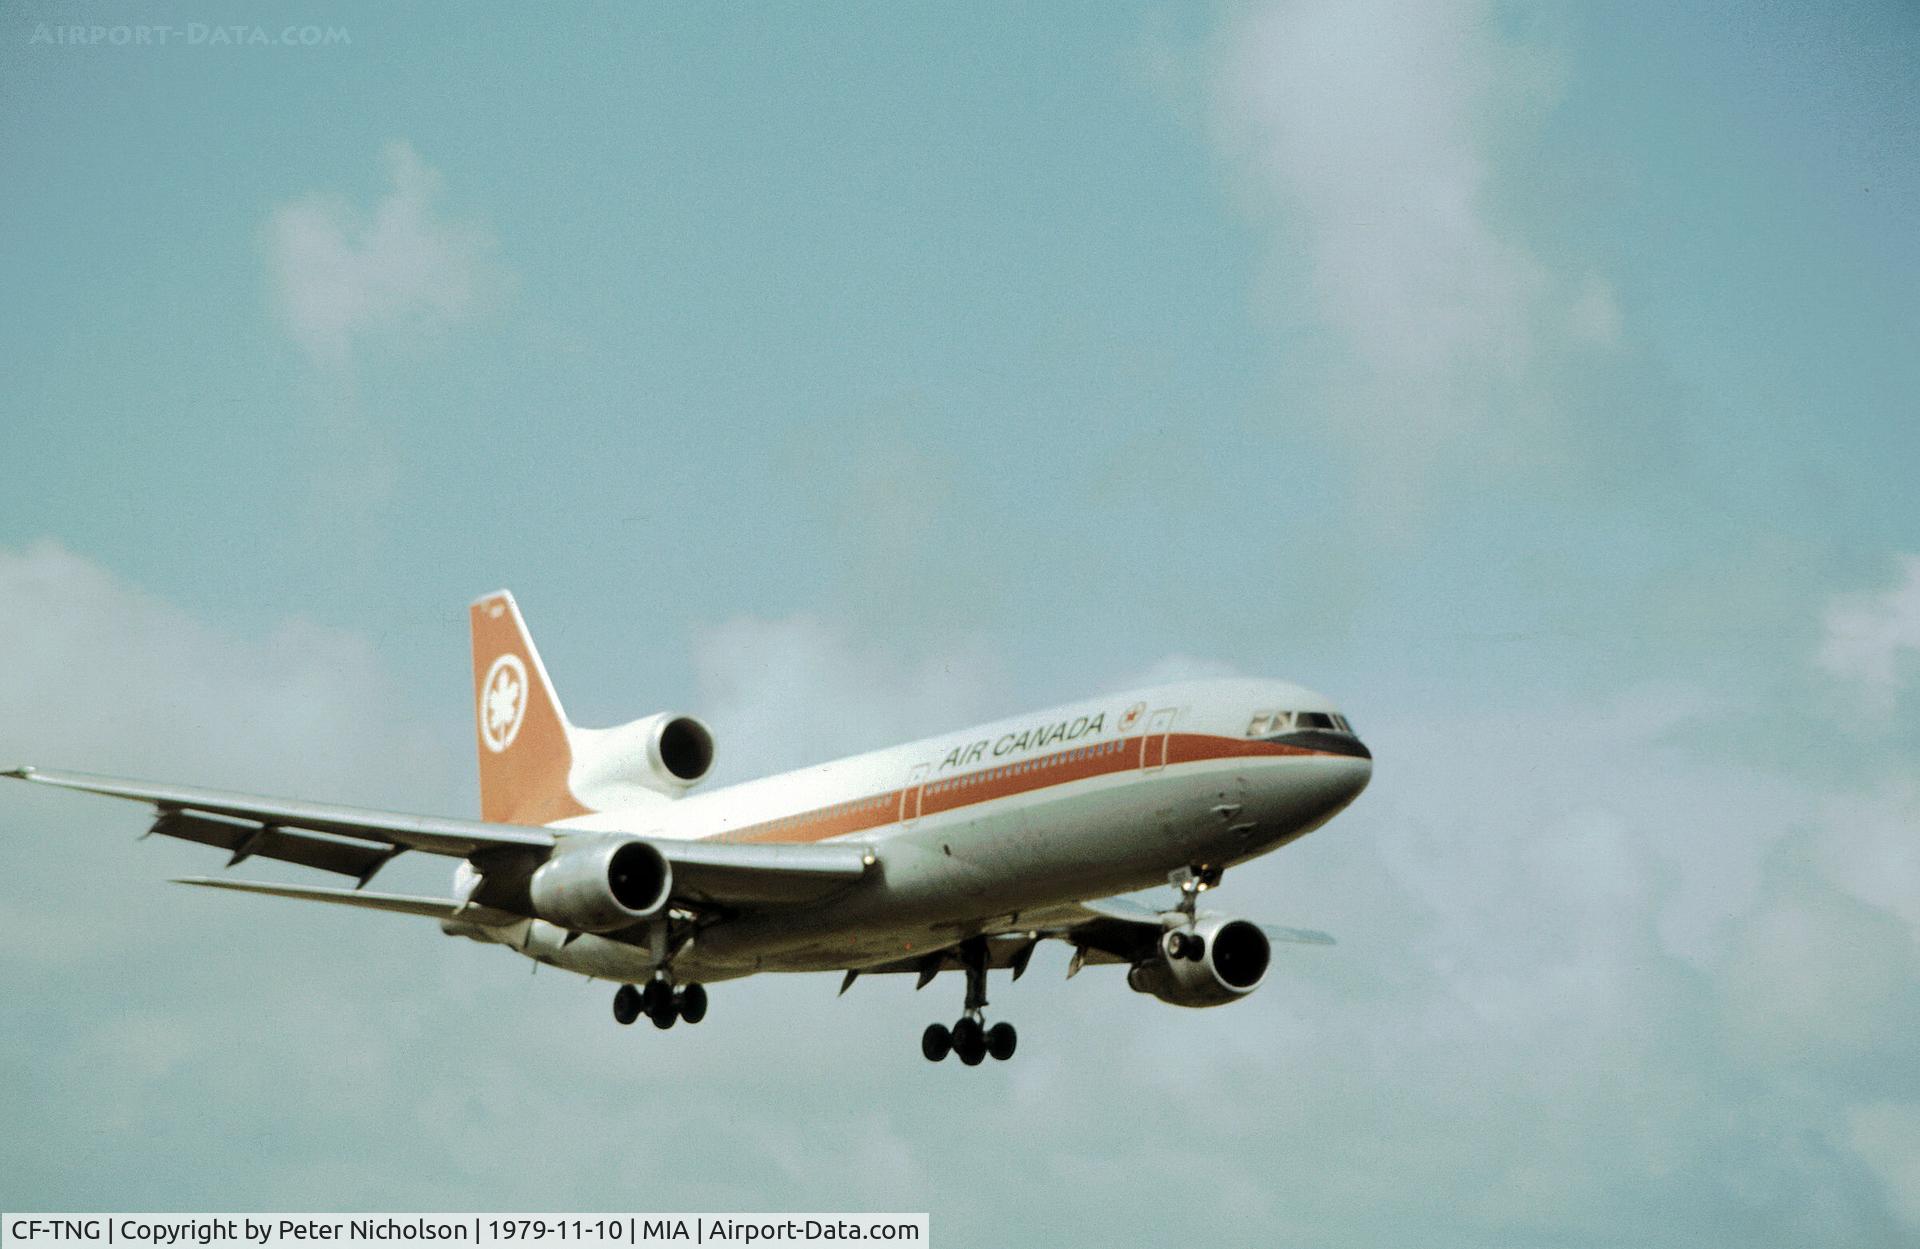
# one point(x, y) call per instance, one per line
point(601, 886)
point(664, 754)
point(1209, 962)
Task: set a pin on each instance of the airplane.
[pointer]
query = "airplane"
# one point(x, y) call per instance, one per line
point(594, 853)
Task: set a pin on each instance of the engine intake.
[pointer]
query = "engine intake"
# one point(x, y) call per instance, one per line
point(1209, 963)
point(663, 754)
point(682, 748)
point(601, 886)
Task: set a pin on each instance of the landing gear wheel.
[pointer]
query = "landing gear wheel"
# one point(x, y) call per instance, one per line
point(656, 1000)
point(626, 1004)
point(936, 1042)
point(970, 1042)
point(1001, 1038)
point(691, 1002)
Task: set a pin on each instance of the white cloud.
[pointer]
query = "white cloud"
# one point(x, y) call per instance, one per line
point(1374, 137)
point(1592, 986)
point(1887, 1135)
point(1869, 640)
point(341, 276)
point(1368, 124)
point(1869, 847)
point(103, 677)
point(1179, 667)
point(785, 693)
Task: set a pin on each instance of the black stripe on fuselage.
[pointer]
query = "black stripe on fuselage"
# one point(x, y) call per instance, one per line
point(1325, 742)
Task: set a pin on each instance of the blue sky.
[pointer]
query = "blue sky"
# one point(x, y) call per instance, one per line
point(1537, 380)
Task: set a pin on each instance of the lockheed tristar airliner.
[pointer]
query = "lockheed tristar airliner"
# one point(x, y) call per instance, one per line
point(596, 853)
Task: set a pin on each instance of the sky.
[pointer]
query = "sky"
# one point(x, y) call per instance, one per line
point(1537, 380)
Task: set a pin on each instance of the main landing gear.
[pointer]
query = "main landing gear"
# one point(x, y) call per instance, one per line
point(660, 1002)
point(970, 1038)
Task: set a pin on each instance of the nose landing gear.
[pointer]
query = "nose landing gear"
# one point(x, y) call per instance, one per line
point(970, 1038)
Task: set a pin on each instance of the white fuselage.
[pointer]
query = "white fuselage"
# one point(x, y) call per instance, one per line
point(970, 830)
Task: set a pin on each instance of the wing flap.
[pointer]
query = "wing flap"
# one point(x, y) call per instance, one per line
point(405, 904)
point(741, 874)
point(1003, 952)
point(358, 859)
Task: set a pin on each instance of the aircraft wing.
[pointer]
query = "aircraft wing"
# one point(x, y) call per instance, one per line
point(1106, 930)
point(1125, 926)
point(357, 842)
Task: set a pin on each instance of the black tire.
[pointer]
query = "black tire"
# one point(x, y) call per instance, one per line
point(692, 1003)
point(664, 1017)
point(1176, 945)
point(1196, 947)
point(970, 1042)
point(655, 997)
point(936, 1042)
point(1001, 1040)
point(626, 1004)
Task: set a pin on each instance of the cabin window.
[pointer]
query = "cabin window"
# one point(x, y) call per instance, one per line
point(1314, 720)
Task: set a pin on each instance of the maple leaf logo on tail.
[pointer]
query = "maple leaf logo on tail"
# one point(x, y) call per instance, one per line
point(505, 702)
point(524, 741)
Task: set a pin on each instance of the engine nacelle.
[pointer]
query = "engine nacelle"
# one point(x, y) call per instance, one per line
point(601, 886)
point(664, 754)
point(1211, 962)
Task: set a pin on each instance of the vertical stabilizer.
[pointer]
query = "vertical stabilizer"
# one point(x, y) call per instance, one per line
point(525, 747)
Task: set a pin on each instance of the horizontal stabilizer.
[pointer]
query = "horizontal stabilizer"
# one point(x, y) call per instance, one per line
point(1299, 936)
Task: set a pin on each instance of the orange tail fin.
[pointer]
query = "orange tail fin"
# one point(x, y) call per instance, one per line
point(525, 752)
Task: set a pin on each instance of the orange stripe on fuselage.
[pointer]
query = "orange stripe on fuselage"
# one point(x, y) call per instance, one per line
point(940, 795)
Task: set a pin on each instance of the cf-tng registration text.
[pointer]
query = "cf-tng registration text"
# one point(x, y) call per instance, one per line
point(482, 1231)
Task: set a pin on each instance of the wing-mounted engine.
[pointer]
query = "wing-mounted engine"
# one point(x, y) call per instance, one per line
point(600, 885)
point(1210, 962)
point(661, 755)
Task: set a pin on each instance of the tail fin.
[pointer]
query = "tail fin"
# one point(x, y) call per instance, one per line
point(525, 746)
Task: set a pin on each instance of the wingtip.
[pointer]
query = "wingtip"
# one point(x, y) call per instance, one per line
point(21, 773)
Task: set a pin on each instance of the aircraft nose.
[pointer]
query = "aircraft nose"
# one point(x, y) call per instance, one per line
point(1347, 774)
point(1362, 769)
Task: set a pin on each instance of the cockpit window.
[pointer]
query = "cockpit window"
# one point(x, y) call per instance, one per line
point(1270, 723)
